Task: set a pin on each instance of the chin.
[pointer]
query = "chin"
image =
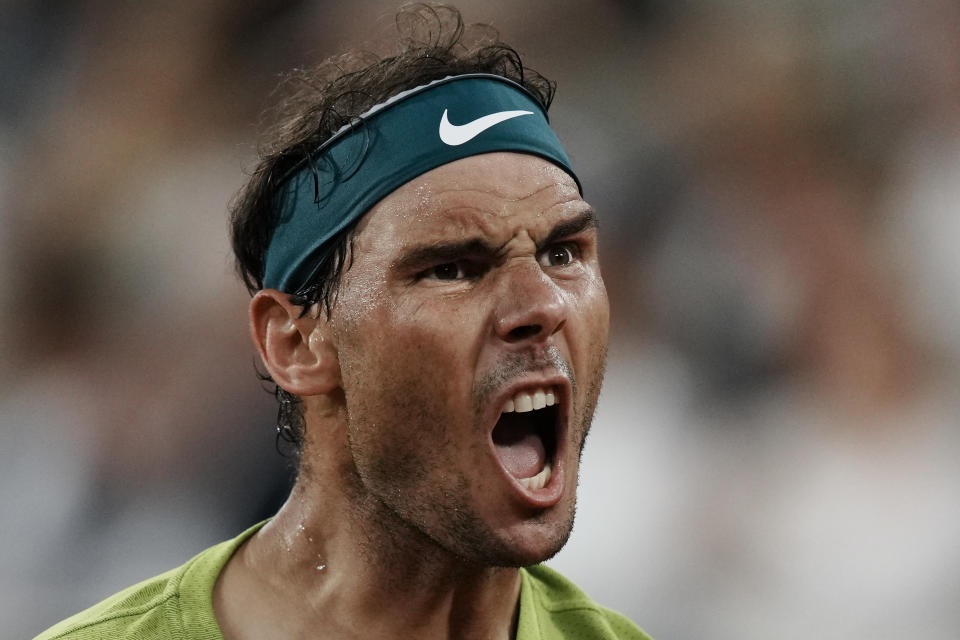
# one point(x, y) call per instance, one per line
point(536, 541)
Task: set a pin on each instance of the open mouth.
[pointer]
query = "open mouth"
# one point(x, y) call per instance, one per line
point(525, 436)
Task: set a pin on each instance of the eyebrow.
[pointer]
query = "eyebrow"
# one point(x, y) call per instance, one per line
point(586, 220)
point(441, 252)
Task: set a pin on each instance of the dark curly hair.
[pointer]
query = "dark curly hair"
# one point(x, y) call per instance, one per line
point(433, 43)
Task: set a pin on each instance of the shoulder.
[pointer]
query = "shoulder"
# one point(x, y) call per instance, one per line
point(553, 607)
point(176, 605)
point(141, 611)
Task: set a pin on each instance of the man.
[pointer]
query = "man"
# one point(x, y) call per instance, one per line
point(427, 298)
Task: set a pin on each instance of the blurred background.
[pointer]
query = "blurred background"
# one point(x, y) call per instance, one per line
point(777, 449)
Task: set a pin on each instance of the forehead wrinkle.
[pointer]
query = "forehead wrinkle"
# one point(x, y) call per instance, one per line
point(495, 192)
point(460, 222)
point(498, 207)
point(466, 222)
point(436, 200)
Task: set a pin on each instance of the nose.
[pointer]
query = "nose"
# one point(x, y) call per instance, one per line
point(531, 306)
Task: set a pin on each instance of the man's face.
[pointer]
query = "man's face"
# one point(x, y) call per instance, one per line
point(474, 291)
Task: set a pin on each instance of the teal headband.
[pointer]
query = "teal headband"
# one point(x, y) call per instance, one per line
point(389, 145)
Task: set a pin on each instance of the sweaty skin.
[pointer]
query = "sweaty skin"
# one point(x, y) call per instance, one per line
point(469, 285)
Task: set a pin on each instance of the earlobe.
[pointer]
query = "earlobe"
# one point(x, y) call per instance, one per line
point(295, 349)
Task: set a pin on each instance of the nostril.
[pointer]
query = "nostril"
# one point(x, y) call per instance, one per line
point(525, 331)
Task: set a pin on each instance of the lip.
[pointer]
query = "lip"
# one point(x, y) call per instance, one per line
point(550, 494)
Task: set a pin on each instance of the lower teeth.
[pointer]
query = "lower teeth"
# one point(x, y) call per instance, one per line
point(538, 481)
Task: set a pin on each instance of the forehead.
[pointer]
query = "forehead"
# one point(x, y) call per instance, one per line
point(491, 193)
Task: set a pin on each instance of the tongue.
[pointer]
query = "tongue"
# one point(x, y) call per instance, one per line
point(522, 454)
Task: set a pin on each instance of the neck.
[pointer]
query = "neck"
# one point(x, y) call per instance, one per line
point(336, 560)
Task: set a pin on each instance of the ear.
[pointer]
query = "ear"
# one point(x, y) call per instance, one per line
point(296, 351)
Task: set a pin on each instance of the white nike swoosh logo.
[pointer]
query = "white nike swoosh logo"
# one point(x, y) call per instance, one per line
point(454, 135)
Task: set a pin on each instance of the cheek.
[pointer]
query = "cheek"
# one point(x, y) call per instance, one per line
point(407, 393)
point(602, 322)
point(411, 345)
point(589, 326)
point(590, 313)
point(399, 368)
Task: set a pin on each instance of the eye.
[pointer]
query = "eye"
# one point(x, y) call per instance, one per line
point(447, 271)
point(558, 255)
point(453, 271)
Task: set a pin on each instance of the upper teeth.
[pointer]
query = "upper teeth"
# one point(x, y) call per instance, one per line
point(528, 400)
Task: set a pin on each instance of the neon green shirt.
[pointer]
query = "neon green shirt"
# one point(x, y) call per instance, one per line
point(178, 605)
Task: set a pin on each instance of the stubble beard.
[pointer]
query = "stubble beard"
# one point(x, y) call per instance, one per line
point(407, 519)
